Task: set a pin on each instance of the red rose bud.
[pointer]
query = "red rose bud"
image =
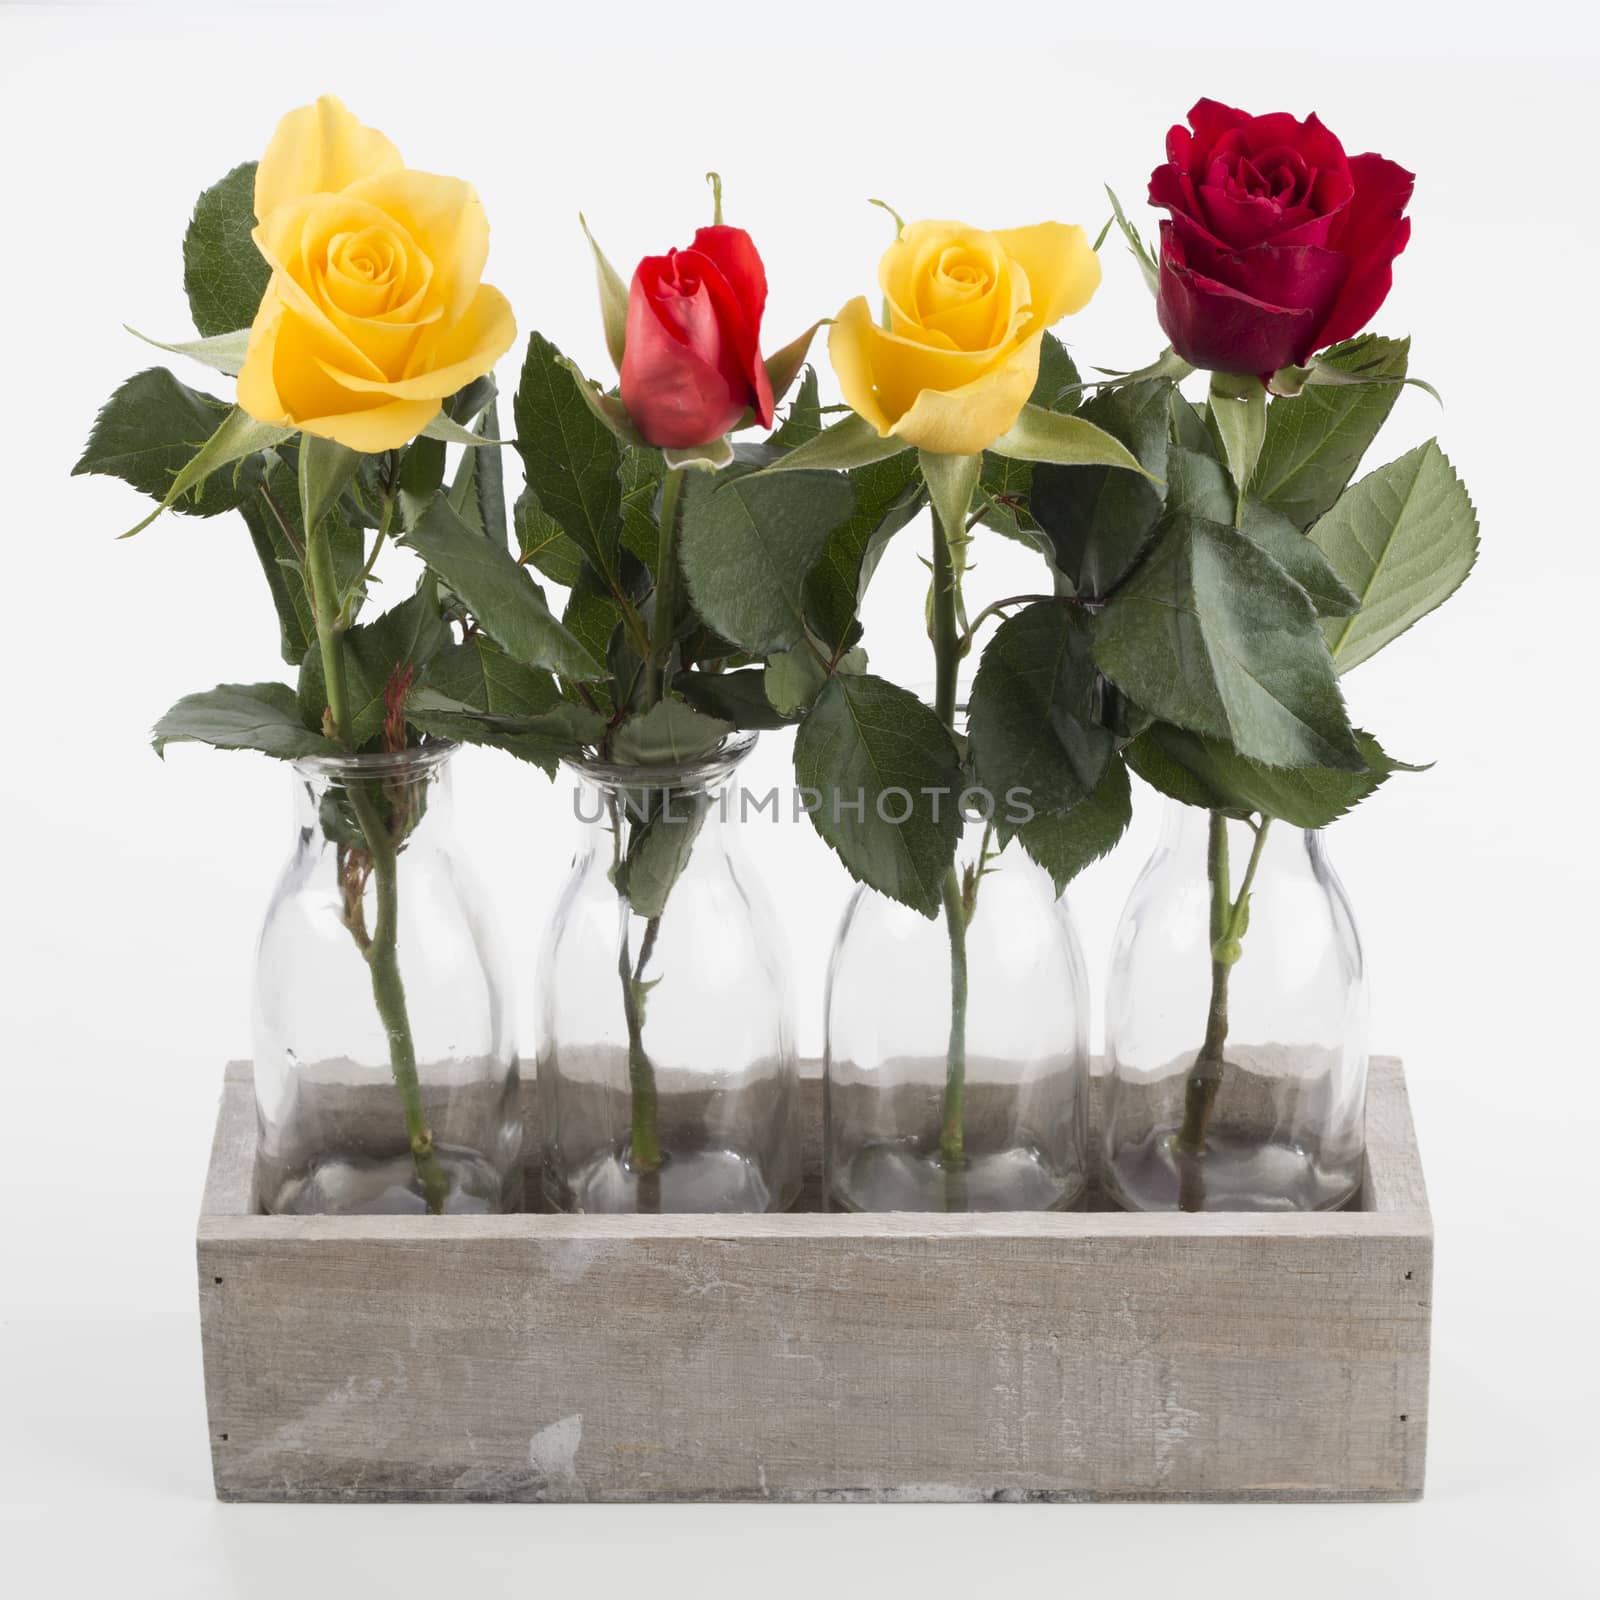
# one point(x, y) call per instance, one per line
point(1278, 244)
point(692, 364)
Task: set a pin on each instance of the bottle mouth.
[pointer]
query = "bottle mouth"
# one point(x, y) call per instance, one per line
point(704, 773)
point(407, 764)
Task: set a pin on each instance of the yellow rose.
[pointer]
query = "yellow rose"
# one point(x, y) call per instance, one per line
point(966, 313)
point(376, 310)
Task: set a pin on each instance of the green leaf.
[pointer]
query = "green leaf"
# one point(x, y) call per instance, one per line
point(613, 299)
point(412, 632)
point(888, 495)
point(1198, 483)
point(1031, 721)
point(668, 734)
point(562, 733)
point(804, 420)
point(1066, 842)
point(783, 367)
point(505, 600)
point(659, 848)
point(242, 716)
point(709, 457)
point(489, 478)
point(794, 678)
point(1239, 415)
point(746, 545)
point(476, 693)
point(1315, 442)
point(326, 468)
point(224, 274)
point(272, 514)
point(1137, 248)
point(851, 442)
point(419, 477)
point(238, 437)
point(1403, 540)
point(149, 431)
point(1098, 518)
point(224, 353)
point(297, 628)
point(738, 698)
point(1065, 440)
point(864, 738)
point(1211, 634)
point(640, 474)
point(542, 544)
point(950, 482)
point(479, 674)
point(569, 455)
point(1211, 774)
point(1058, 384)
point(447, 430)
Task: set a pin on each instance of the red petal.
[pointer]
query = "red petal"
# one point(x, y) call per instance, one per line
point(739, 262)
point(1373, 229)
point(1223, 329)
point(678, 392)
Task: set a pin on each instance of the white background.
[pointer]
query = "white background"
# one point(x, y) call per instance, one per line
point(132, 889)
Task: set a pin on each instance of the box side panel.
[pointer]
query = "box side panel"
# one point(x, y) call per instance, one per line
point(886, 1369)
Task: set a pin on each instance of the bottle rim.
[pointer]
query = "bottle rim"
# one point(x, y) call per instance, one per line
point(410, 764)
point(702, 773)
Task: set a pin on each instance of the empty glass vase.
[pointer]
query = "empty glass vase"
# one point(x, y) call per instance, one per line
point(385, 1076)
point(957, 1052)
point(667, 1077)
point(1236, 1025)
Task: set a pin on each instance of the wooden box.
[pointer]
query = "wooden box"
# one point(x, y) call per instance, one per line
point(812, 1356)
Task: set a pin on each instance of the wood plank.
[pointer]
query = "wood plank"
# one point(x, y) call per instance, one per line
point(1087, 1355)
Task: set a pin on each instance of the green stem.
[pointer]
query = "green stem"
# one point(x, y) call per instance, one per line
point(644, 1147)
point(1204, 1082)
point(947, 658)
point(952, 1134)
point(666, 582)
point(382, 952)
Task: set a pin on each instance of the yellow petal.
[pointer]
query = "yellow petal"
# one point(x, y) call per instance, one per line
point(965, 421)
point(258, 392)
point(903, 366)
point(446, 219)
point(460, 354)
point(382, 427)
point(295, 236)
point(849, 351)
point(1063, 271)
point(319, 149)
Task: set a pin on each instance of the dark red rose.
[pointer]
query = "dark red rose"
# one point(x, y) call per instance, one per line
point(1278, 244)
point(692, 363)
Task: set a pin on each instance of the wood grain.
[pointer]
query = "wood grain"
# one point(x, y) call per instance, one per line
point(813, 1356)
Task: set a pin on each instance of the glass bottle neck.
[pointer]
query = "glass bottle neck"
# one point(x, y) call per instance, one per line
point(367, 799)
point(1187, 831)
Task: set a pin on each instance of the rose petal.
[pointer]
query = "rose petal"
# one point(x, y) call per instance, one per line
point(850, 352)
point(1372, 231)
point(446, 220)
point(1298, 277)
point(319, 149)
point(966, 421)
point(452, 356)
point(1063, 269)
point(738, 260)
point(676, 396)
point(1223, 329)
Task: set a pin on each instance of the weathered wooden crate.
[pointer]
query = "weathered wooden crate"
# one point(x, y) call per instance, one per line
point(809, 1356)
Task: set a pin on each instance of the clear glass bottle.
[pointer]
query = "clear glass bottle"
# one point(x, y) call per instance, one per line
point(929, 1110)
point(386, 1078)
point(1236, 1025)
point(667, 1076)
